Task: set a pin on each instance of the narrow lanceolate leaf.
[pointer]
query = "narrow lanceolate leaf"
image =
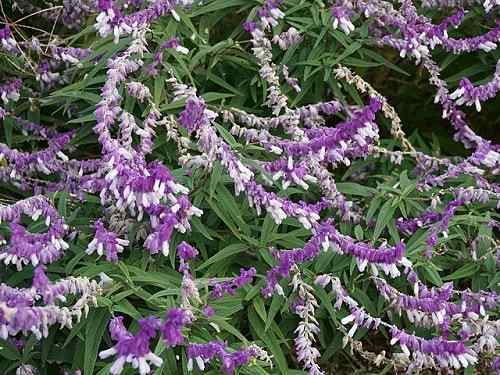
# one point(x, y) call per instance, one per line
point(463, 272)
point(9, 351)
point(385, 215)
point(269, 339)
point(8, 124)
point(276, 306)
point(94, 330)
point(127, 127)
point(226, 252)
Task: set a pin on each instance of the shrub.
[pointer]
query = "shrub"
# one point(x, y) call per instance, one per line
point(210, 187)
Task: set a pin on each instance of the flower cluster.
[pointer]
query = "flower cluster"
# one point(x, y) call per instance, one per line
point(469, 95)
point(135, 349)
point(20, 314)
point(287, 39)
point(288, 170)
point(106, 242)
point(112, 20)
point(24, 247)
point(175, 320)
point(326, 238)
point(229, 361)
point(219, 289)
point(8, 42)
point(173, 329)
point(132, 349)
point(131, 183)
point(10, 91)
point(434, 353)
point(308, 327)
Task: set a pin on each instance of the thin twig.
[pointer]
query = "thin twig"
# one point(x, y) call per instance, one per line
point(24, 26)
point(52, 31)
point(38, 12)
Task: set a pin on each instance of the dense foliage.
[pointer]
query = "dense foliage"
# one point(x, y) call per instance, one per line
point(254, 187)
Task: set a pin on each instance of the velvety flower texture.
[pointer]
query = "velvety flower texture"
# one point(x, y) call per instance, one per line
point(326, 237)
point(106, 242)
point(130, 182)
point(111, 19)
point(175, 320)
point(436, 308)
point(229, 361)
point(26, 370)
point(133, 349)
point(434, 353)
point(9, 91)
point(35, 248)
point(230, 286)
point(20, 314)
point(8, 43)
point(186, 252)
point(495, 365)
point(310, 146)
point(194, 116)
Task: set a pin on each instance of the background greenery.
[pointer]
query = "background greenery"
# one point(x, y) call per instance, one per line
point(229, 234)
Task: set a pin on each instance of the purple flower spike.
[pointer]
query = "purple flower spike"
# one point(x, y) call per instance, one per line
point(104, 5)
point(495, 365)
point(203, 353)
point(106, 242)
point(133, 349)
point(208, 311)
point(230, 286)
point(195, 115)
point(341, 18)
point(159, 239)
point(35, 248)
point(7, 42)
point(175, 320)
point(10, 90)
point(249, 26)
point(186, 252)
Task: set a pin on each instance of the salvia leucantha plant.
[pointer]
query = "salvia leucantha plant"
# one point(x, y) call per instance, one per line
point(210, 187)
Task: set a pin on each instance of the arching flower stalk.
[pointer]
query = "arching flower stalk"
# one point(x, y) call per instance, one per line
point(308, 327)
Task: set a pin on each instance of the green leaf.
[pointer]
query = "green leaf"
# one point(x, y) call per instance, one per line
point(269, 339)
point(224, 325)
point(352, 48)
point(215, 179)
point(212, 77)
point(159, 85)
point(431, 275)
point(463, 272)
point(276, 305)
point(225, 217)
point(198, 225)
point(374, 206)
point(126, 307)
point(217, 5)
point(258, 304)
point(8, 125)
point(62, 203)
point(358, 231)
point(9, 351)
point(384, 217)
point(94, 330)
point(352, 188)
point(228, 137)
point(268, 228)
point(226, 252)
point(230, 206)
